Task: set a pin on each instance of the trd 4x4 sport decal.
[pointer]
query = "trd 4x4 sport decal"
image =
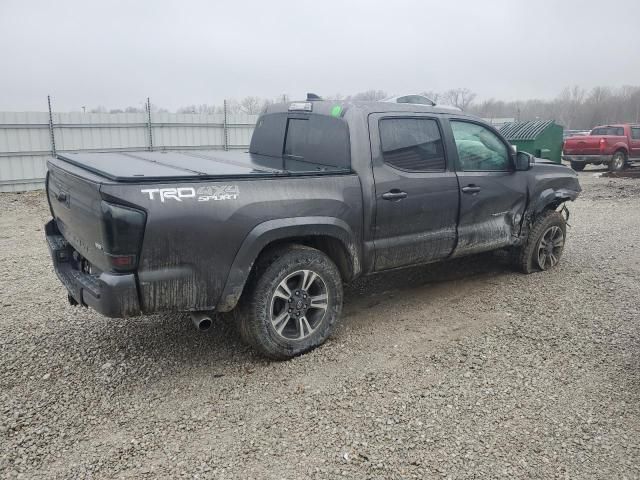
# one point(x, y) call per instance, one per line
point(202, 194)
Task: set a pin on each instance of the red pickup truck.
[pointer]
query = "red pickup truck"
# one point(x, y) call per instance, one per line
point(612, 145)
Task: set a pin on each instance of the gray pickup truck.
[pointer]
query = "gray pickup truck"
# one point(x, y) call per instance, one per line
point(327, 192)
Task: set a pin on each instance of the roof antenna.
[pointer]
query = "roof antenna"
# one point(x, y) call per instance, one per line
point(312, 97)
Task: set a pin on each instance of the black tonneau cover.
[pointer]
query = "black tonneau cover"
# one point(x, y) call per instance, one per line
point(188, 165)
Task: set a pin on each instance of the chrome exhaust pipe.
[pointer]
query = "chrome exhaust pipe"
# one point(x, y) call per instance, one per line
point(202, 320)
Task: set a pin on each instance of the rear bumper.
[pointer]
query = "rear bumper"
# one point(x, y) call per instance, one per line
point(110, 294)
point(587, 158)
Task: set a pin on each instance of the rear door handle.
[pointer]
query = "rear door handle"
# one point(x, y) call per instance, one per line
point(394, 195)
point(471, 189)
point(61, 197)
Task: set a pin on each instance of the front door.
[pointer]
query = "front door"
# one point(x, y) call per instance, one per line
point(492, 194)
point(416, 191)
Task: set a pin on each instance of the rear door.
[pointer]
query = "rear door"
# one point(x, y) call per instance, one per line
point(634, 143)
point(416, 190)
point(492, 194)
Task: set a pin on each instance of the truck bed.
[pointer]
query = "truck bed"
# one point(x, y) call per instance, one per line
point(188, 245)
point(143, 166)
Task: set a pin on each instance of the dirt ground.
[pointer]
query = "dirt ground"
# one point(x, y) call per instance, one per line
point(464, 369)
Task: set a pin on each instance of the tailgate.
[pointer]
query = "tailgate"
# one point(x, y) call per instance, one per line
point(589, 145)
point(76, 207)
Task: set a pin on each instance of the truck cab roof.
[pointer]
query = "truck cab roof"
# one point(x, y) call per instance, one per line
point(328, 107)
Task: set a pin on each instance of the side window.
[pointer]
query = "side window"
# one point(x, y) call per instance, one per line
point(615, 131)
point(318, 139)
point(479, 149)
point(635, 133)
point(412, 144)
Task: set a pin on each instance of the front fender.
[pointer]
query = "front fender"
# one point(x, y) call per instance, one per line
point(553, 197)
point(280, 229)
point(550, 185)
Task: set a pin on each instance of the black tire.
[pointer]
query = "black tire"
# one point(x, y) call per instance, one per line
point(578, 166)
point(262, 305)
point(618, 161)
point(547, 226)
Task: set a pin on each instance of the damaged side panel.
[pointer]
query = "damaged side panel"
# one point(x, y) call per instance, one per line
point(490, 218)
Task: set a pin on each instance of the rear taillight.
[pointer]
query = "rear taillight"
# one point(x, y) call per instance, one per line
point(122, 231)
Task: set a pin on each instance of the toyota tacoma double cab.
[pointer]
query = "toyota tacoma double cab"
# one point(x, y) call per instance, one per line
point(611, 145)
point(326, 193)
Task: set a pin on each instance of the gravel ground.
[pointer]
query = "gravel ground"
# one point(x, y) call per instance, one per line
point(458, 370)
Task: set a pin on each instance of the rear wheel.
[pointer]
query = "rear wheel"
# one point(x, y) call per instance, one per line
point(292, 303)
point(545, 243)
point(578, 166)
point(618, 162)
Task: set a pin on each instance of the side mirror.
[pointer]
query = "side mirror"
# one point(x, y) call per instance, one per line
point(523, 161)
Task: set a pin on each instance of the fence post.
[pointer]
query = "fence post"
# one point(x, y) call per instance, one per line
point(51, 136)
point(149, 125)
point(224, 126)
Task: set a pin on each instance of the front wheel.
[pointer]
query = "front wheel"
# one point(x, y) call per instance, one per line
point(545, 243)
point(617, 162)
point(292, 302)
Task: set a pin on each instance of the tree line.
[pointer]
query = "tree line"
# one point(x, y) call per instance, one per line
point(574, 107)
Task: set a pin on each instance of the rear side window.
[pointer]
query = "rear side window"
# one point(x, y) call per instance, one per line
point(412, 144)
point(268, 135)
point(635, 133)
point(317, 139)
point(617, 131)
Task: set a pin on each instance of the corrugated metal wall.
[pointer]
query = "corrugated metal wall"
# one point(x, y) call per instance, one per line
point(25, 140)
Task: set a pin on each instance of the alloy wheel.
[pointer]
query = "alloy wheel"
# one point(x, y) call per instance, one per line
point(550, 247)
point(299, 304)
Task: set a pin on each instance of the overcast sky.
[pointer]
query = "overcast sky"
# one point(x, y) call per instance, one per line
point(116, 53)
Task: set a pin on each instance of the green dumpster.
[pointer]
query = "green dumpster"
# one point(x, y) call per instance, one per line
point(542, 139)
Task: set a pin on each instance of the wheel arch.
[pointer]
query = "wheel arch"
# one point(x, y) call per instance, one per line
point(330, 235)
point(621, 148)
point(551, 199)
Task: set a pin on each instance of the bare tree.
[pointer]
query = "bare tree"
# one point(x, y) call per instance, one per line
point(568, 105)
point(459, 97)
point(573, 108)
point(187, 109)
point(233, 106)
point(250, 105)
point(369, 96)
point(599, 107)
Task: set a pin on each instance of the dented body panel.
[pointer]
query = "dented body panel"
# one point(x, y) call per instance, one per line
point(205, 217)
